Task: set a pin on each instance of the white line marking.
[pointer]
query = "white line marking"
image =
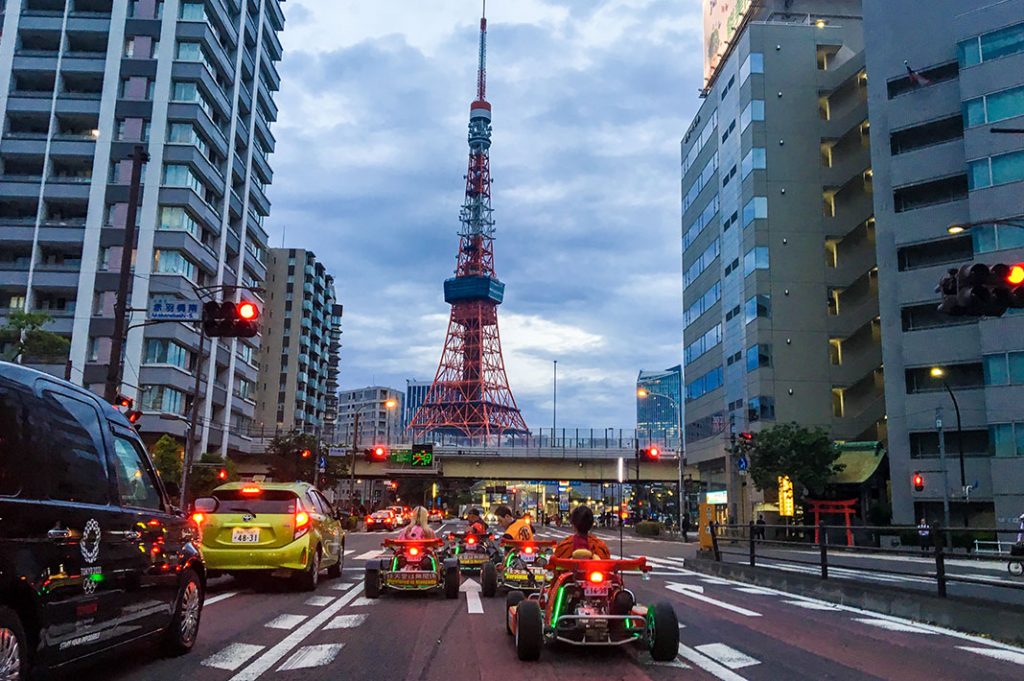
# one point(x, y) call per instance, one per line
point(1005, 655)
point(708, 665)
point(219, 597)
point(288, 622)
point(341, 586)
point(893, 626)
point(361, 601)
point(369, 555)
point(349, 552)
point(472, 590)
point(714, 580)
point(811, 605)
point(268, 659)
point(754, 590)
point(232, 657)
point(308, 657)
point(346, 622)
point(682, 590)
point(730, 657)
point(319, 601)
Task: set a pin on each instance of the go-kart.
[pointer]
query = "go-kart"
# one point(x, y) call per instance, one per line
point(474, 552)
point(524, 567)
point(412, 565)
point(587, 605)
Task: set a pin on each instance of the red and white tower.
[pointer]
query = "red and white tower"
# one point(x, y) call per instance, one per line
point(470, 394)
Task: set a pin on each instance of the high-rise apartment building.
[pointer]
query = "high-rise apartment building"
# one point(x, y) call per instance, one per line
point(659, 405)
point(380, 416)
point(780, 284)
point(82, 82)
point(298, 380)
point(938, 163)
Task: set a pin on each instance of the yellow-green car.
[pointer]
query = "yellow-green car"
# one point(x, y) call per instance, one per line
point(284, 529)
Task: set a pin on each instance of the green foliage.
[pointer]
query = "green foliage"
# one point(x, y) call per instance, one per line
point(284, 454)
point(806, 455)
point(167, 455)
point(203, 479)
point(33, 343)
point(648, 528)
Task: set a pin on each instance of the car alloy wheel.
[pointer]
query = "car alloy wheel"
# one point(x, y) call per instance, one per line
point(190, 609)
point(10, 659)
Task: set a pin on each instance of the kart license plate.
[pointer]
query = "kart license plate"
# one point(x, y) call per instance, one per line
point(592, 590)
point(473, 560)
point(245, 535)
point(528, 557)
point(517, 575)
point(412, 578)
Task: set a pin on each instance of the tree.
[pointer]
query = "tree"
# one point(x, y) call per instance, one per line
point(32, 343)
point(806, 455)
point(168, 455)
point(284, 454)
point(203, 479)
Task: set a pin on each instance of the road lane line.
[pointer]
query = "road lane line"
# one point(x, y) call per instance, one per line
point(708, 665)
point(754, 590)
point(682, 590)
point(1004, 655)
point(362, 601)
point(308, 657)
point(219, 597)
point(893, 626)
point(288, 622)
point(271, 657)
point(369, 555)
point(811, 605)
point(346, 622)
point(232, 657)
point(319, 601)
point(473, 603)
point(726, 655)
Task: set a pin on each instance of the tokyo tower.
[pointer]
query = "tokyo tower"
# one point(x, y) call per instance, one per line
point(470, 396)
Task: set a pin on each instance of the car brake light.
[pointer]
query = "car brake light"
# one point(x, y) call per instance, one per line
point(413, 551)
point(301, 523)
point(198, 518)
point(528, 550)
point(251, 490)
point(596, 577)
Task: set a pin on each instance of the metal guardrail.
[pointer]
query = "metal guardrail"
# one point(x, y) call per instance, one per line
point(934, 540)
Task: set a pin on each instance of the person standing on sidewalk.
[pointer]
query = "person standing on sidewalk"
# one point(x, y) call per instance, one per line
point(686, 527)
point(923, 531)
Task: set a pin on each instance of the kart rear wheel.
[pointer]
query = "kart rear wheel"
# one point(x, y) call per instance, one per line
point(663, 632)
point(488, 580)
point(513, 598)
point(452, 580)
point(1015, 568)
point(371, 581)
point(529, 630)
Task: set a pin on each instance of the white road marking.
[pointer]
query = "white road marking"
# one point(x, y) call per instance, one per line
point(708, 665)
point(1005, 655)
point(683, 590)
point(232, 657)
point(268, 659)
point(472, 590)
point(811, 605)
point(341, 586)
point(346, 622)
point(319, 601)
point(288, 622)
point(362, 601)
point(676, 586)
point(893, 626)
point(219, 597)
point(714, 580)
point(754, 590)
point(730, 657)
point(308, 657)
point(370, 555)
point(349, 552)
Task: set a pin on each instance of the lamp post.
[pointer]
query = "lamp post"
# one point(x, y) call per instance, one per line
point(961, 227)
point(939, 373)
point(643, 393)
point(389, 405)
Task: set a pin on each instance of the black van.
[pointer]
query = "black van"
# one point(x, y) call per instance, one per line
point(92, 555)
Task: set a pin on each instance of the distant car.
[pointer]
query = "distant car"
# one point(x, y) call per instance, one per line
point(92, 553)
point(402, 514)
point(436, 516)
point(282, 529)
point(381, 520)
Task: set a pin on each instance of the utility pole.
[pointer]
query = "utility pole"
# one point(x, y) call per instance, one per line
point(193, 419)
point(352, 464)
point(945, 471)
point(115, 367)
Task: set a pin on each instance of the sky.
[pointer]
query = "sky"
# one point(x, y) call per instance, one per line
point(590, 101)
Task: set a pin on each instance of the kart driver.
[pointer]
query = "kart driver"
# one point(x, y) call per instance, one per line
point(518, 530)
point(476, 524)
point(418, 527)
point(582, 519)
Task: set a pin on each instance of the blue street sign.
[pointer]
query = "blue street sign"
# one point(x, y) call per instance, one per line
point(741, 463)
point(323, 462)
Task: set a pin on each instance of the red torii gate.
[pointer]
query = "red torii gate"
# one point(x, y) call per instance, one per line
point(821, 507)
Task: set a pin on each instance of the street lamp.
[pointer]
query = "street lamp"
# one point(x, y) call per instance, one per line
point(389, 404)
point(961, 227)
point(939, 373)
point(643, 393)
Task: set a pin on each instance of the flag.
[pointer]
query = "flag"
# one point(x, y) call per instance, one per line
point(916, 78)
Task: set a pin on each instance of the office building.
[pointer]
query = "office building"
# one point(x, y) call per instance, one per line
point(82, 82)
point(659, 406)
point(780, 284)
point(415, 393)
point(298, 380)
point(938, 163)
point(380, 416)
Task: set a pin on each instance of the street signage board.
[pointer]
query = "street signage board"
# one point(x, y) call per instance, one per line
point(786, 506)
point(337, 451)
point(719, 497)
point(400, 456)
point(169, 309)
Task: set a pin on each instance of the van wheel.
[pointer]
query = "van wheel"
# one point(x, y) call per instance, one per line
point(309, 578)
point(13, 646)
point(181, 634)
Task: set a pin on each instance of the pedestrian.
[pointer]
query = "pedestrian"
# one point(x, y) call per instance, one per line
point(686, 527)
point(760, 529)
point(923, 531)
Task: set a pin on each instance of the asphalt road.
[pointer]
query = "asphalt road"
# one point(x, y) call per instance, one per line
point(729, 631)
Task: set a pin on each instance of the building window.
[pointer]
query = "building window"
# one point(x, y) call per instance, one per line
point(757, 306)
point(987, 238)
point(703, 220)
point(173, 262)
point(705, 384)
point(931, 193)
point(995, 170)
point(759, 357)
point(756, 209)
point(994, 107)
point(761, 408)
point(755, 259)
point(756, 159)
point(177, 175)
point(166, 352)
point(754, 111)
point(988, 46)
point(932, 74)
point(702, 262)
point(189, 92)
point(176, 218)
point(932, 253)
point(193, 11)
point(754, 63)
point(702, 181)
point(162, 398)
point(703, 304)
point(702, 345)
point(965, 375)
point(1004, 369)
point(926, 135)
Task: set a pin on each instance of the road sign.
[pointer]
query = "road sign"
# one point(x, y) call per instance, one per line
point(337, 451)
point(786, 506)
point(400, 456)
point(167, 309)
point(323, 463)
point(741, 463)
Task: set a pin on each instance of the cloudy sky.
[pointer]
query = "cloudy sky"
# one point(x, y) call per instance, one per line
point(590, 97)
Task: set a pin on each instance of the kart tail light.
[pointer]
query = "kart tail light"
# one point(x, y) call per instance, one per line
point(301, 523)
point(471, 540)
point(251, 490)
point(413, 551)
point(528, 550)
point(596, 577)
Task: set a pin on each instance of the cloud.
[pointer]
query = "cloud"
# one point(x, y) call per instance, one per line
point(590, 101)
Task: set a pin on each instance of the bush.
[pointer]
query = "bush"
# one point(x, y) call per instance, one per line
point(648, 528)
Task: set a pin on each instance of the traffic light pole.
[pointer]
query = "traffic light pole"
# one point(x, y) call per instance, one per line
point(192, 422)
point(945, 471)
point(352, 464)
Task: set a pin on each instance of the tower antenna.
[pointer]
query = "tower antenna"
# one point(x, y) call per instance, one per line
point(481, 74)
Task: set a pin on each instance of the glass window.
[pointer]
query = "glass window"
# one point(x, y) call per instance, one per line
point(1008, 168)
point(756, 209)
point(758, 356)
point(1002, 43)
point(757, 306)
point(979, 175)
point(75, 471)
point(1002, 105)
point(166, 352)
point(754, 63)
point(17, 408)
point(1016, 368)
point(755, 259)
point(173, 262)
point(754, 160)
point(1001, 438)
point(193, 11)
point(995, 370)
point(136, 486)
point(162, 398)
point(969, 53)
point(180, 133)
point(190, 51)
point(176, 218)
point(753, 112)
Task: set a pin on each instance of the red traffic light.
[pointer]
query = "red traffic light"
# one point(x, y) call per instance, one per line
point(652, 453)
point(248, 311)
point(222, 474)
point(306, 453)
point(1015, 275)
point(747, 436)
point(918, 481)
point(133, 416)
point(380, 452)
point(125, 402)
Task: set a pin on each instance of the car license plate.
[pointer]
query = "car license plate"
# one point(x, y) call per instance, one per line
point(245, 535)
point(592, 590)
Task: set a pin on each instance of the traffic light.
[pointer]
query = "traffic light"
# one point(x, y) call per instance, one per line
point(918, 481)
point(126, 406)
point(222, 474)
point(652, 453)
point(306, 453)
point(377, 453)
point(230, 320)
point(981, 291)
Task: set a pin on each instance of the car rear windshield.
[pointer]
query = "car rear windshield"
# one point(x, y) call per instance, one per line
point(269, 501)
point(382, 514)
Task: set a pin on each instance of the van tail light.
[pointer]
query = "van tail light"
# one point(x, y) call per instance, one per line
point(596, 577)
point(301, 523)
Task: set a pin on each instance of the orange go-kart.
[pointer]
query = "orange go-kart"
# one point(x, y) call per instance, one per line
point(412, 565)
point(587, 604)
point(524, 566)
